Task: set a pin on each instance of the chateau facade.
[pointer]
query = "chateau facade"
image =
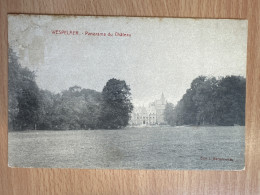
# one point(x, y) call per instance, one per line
point(151, 115)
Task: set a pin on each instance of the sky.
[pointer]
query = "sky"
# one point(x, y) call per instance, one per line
point(162, 55)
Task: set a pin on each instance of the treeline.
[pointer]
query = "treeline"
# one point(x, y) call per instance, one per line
point(210, 101)
point(76, 108)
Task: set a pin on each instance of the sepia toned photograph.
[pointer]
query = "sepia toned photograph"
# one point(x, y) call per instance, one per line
point(126, 92)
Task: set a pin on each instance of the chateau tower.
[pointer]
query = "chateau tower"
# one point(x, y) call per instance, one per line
point(160, 107)
point(163, 100)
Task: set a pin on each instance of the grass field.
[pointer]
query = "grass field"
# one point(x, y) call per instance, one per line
point(132, 148)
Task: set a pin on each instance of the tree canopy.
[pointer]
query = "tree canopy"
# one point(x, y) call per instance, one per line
point(211, 101)
point(23, 95)
point(74, 108)
point(116, 105)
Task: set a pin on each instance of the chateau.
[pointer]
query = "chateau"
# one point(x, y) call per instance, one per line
point(151, 115)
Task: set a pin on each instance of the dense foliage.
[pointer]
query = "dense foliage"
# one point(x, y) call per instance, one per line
point(75, 108)
point(23, 93)
point(116, 106)
point(210, 101)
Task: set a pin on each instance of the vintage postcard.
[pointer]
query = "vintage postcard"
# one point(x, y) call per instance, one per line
point(126, 92)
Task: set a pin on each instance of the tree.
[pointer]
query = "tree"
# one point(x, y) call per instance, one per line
point(169, 115)
point(72, 109)
point(204, 98)
point(14, 79)
point(116, 105)
point(47, 110)
point(23, 95)
point(211, 101)
point(231, 95)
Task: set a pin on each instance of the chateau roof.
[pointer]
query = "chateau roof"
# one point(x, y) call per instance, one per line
point(151, 108)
